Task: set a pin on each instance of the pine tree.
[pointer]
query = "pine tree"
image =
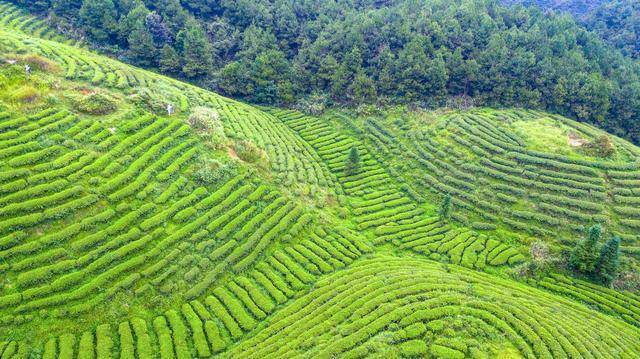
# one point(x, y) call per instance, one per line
point(352, 163)
point(362, 89)
point(327, 69)
point(98, 18)
point(141, 48)
point(134, 19)
point(609, 262)
point(345, 74)
point(445, 208)
point(158, 29)
point(197, 52)
point(169, 60)
point(584, 256)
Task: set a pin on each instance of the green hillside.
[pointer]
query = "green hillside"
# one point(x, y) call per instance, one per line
point(228, 230)
point(518, 171)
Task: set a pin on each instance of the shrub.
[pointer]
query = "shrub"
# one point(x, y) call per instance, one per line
point(248, 151)
point(25, 94)
point(445, 208)
point(38, 62)
point(601, 147)
point(628, 281)
point(213, 171)
point(207, 120)
point(96, 104)
point(314, 104)
point(151, 100)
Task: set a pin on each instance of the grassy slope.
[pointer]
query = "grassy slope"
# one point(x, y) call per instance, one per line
point(179, 267)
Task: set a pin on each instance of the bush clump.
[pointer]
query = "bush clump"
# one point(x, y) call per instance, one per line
point(96, 104)
point(213, 171)
point(248, 151)
point(35, 62)
point(25, 94)
point(601, 147)
point(38, 62)
point(205, 120)
point(155, 102)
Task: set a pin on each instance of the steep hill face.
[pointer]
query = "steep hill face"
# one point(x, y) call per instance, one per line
point(145, 217)
point(615, 21)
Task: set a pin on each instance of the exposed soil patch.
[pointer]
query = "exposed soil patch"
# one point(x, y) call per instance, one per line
point(232, 153)
point(575, 140)
point(85, 91)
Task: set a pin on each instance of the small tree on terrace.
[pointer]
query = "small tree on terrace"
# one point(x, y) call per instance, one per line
point(584, 256)
point(445, 208)
point(352, 163)
point(609, 262)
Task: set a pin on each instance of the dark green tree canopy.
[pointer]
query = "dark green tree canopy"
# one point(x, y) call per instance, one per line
point(352, 162)
point(198, 55)
point(406, 51)
point(99, 18)
point(584, 256)
point(445, 208)
point(609, 262)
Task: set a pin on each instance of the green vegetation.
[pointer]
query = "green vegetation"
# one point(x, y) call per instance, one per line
point(616, 21)
point(221, 229)
point(445, 207)
point(609, 262)
point(493, 165)
point(429, 52)
point(352, 163)
point(96, 104)
point(425, 308)
point(584, 256)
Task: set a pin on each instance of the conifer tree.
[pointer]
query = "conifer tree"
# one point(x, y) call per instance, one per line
point(584, 256)
point(609, 262)
point(169, 60)
point(196, 50)
point(141, 48)
point(98, 18)
point(445, 208)
point(352, 163)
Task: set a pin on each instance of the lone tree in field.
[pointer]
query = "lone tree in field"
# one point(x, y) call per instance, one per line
point(445, 208)
point(609, 262)
point(352, 163)
point(584, 256)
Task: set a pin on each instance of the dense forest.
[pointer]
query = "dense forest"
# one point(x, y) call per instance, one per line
point(578, 8)
point(616, 21)
point(312, 53)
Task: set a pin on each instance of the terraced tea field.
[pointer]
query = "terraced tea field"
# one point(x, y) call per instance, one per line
point(395, 306)
point(501, 176)
point(114, 245)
